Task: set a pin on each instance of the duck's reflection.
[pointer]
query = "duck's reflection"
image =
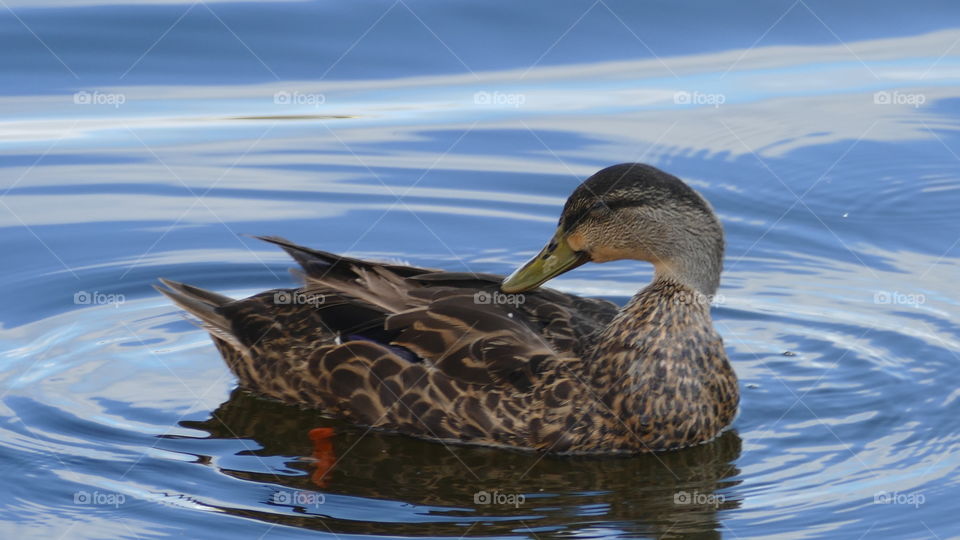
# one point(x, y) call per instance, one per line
point(486, 491)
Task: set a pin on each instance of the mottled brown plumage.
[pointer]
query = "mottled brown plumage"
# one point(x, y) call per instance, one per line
point(448, 356)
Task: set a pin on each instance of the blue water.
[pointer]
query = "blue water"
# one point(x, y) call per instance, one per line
point(146, 140)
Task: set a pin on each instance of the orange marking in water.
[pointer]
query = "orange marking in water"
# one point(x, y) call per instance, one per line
point(320, 433)
point(323, 453)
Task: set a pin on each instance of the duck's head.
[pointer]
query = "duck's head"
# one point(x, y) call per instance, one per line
point(632, 211)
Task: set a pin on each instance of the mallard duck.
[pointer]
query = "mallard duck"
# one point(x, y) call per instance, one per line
point(479, 359)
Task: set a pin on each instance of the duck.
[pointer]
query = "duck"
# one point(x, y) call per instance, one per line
point(479, 359)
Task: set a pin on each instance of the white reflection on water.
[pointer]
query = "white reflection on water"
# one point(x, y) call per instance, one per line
point(34, 210)
point(819, 94)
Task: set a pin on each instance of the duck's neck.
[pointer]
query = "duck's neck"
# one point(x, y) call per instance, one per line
point(696, 264)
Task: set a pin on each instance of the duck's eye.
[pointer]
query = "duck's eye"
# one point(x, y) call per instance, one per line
point(598, 208)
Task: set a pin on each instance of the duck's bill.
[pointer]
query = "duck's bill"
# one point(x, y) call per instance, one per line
point(553, 260)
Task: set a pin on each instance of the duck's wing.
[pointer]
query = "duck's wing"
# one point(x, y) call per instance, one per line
point(377, 284)
point(566, 322)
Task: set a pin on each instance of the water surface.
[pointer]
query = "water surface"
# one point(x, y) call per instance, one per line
point(139, 141)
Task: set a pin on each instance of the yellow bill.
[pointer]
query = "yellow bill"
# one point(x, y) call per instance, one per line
point(553, 260)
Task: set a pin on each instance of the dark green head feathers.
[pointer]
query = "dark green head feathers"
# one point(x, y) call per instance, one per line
point(628, 185)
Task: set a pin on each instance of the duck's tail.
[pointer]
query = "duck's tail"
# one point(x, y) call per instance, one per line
point(202, 304)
